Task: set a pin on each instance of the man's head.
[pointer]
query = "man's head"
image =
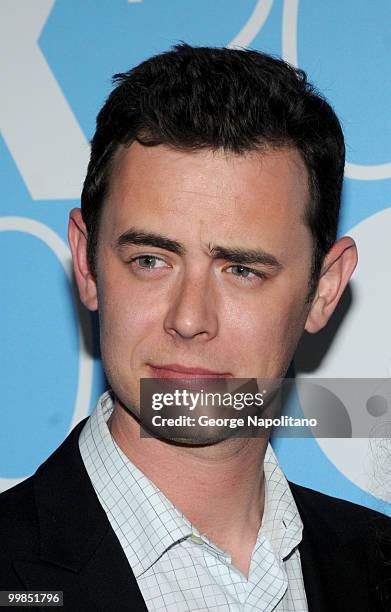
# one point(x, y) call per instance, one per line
point(234, 100)
point(209, 210)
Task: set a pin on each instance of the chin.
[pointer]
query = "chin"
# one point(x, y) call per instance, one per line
point(189, 436)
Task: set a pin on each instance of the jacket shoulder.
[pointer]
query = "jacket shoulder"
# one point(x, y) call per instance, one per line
point(351, 529)
point(337, 512)
point(20, 514)
point(351, 545)
point(17, 511)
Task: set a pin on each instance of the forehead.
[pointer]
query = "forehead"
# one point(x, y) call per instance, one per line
point(208, 192)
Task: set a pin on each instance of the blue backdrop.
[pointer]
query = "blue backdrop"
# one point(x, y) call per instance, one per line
point(57, 61)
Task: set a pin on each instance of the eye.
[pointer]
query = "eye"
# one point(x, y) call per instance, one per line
point(245, 273)
point(148, 262)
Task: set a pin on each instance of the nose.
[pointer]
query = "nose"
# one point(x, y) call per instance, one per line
point(192, 311)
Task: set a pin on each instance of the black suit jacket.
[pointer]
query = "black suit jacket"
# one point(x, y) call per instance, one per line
point(54, 535)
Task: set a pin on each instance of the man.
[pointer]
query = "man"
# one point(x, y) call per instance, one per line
point(207, 242)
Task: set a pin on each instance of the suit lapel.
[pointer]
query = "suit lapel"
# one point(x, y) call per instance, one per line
point(79, 552)
point(332, 563)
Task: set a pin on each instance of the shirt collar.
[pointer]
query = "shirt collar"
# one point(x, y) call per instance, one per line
point(281, 522)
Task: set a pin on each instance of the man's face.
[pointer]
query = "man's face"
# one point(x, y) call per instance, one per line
point(227, 290)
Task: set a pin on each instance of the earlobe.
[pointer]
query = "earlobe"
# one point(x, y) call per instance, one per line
point(77, 237)
point(338, 267)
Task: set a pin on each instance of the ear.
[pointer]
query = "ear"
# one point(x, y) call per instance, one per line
point(77, 237)
point(338, 267)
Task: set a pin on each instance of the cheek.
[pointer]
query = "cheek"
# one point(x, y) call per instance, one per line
point(122, 321)
point(127, 317)
point(267, 329)
point(287, 327)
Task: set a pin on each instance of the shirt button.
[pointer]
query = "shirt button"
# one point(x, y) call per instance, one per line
point(196, 539)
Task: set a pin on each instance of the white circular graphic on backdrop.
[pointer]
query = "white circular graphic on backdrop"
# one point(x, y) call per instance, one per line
point(290, 14)
point(61, 250)
point(253, 26)
point(362, 349)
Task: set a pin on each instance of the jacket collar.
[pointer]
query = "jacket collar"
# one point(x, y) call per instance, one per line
point(64, 498)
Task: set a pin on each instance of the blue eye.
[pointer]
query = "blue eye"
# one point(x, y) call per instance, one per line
point(244, 272)
point(148, 262)
point(241, 271)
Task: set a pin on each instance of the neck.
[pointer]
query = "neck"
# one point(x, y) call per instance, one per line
point(219, 488)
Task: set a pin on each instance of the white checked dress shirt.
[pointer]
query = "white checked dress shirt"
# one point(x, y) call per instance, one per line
point(177, 568)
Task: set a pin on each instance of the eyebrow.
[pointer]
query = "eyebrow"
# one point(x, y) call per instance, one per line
point(235, 254)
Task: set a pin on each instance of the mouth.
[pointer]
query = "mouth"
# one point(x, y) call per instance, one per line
point(174, 370)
